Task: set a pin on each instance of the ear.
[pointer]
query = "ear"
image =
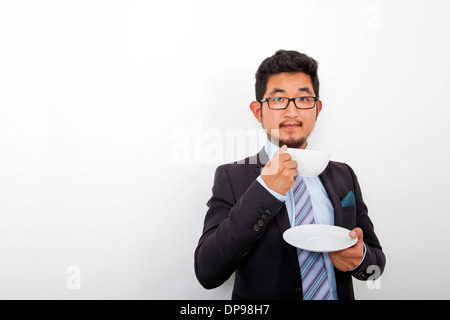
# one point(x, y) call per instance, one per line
point(255, 106)
point(318, 108)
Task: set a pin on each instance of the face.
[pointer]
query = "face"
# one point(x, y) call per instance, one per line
point(290, 126)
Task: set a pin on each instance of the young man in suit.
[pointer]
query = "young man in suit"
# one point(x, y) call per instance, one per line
point(256, 199)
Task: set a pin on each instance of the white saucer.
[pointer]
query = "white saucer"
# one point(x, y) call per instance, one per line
point(319, 237)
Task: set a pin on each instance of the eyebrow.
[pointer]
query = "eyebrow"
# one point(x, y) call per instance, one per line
point(302, 89)
point(305, 89)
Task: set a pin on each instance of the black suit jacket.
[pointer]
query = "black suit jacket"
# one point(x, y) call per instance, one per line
point(243, 231)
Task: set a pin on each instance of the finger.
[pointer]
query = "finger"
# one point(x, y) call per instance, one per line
point(294, 172)
point(291, 164)
point(353, 251)
point(356, 233)
point(285, 157)
point(338, 261)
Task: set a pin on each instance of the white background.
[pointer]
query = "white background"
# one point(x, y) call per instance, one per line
point(115, 114)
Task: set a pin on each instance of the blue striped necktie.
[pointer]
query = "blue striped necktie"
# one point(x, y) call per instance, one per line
point(312, 265)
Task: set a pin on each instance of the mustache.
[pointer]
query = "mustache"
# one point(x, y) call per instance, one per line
point(290, 122)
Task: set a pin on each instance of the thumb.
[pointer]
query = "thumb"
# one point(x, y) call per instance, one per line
point(276, 155)
point(274, 163)
point(356, 233)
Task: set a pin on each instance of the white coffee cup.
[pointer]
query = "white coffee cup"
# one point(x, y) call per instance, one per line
point(309, 163)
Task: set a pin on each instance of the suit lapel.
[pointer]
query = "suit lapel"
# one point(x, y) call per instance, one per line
point(327, 180)
point(259, 160)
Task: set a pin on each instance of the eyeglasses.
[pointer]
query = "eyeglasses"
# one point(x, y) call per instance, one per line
point(280, 103)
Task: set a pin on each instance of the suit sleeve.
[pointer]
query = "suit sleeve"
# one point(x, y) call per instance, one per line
point(231, 228)
point(374, 262)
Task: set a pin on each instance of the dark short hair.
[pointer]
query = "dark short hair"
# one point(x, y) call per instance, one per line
point(285, 61)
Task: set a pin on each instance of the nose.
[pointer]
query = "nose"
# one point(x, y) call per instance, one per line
point(291, 110)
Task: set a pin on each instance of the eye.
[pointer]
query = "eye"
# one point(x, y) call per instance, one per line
point(303, 99)
point(278, 99)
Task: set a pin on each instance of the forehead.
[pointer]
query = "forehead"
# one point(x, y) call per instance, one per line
point(289, 83)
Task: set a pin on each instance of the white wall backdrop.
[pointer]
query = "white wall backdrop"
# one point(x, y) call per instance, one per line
point(115, 114)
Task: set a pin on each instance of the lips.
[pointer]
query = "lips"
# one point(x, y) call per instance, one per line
point(291, 125)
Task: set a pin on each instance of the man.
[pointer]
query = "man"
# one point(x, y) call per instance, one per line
point(255, 200)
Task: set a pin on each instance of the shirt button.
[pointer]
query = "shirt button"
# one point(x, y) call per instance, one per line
point(298, 290)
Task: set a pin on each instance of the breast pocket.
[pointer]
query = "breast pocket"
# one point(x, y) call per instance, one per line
point(349, 217)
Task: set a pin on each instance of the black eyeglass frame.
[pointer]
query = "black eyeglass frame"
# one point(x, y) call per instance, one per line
point(289, 101)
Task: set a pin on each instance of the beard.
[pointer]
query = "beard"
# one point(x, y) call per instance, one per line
point(290, 142)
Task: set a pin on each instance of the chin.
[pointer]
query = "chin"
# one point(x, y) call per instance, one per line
point(293, 143)
point(296, 145)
